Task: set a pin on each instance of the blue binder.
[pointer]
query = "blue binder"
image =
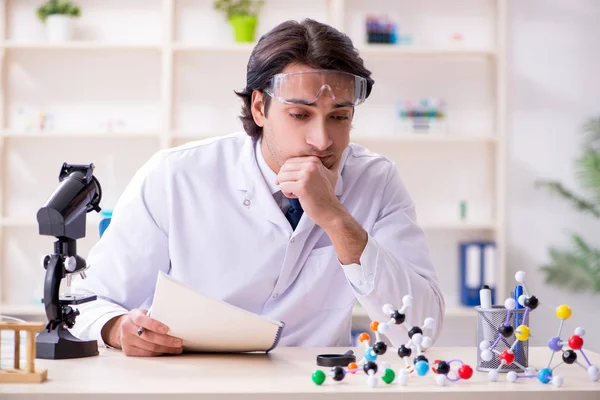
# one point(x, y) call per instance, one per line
point(477, 266)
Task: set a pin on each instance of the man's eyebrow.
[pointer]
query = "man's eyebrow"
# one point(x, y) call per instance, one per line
point(306, 103)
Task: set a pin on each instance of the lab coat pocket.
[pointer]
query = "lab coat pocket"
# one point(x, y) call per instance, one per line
point(324, 282)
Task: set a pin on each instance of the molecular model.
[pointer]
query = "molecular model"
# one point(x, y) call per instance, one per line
point(416, 343)
point(443, 369)
point(506, 330)
point(522, 333)
point(569, 356)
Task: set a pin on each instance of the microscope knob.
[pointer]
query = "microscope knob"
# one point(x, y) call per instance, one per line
point(70, 264)
point(69, 315)
point(83, 275)
point(45, 261)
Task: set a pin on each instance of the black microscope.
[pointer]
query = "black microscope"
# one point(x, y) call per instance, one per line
point(64, 217)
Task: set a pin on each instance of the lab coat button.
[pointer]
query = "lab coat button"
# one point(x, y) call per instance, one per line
point(292, 240)
point(275, 295)
point(246, 202)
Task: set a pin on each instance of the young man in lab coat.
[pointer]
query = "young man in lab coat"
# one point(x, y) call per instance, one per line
point(286, 220)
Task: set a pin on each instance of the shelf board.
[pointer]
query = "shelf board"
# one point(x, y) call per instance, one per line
point(23, 222)
point(382, 138)
point(423, 138)
point(79, 45)
point(23, 310)
point(429, 225)
point(242, 48)
point(38, 310)
point(460, 311)
point(458, 225)
point(19, 222)
point(80, 135)
point(415, 51)
point(385, 138)
point(374, 49)
point(454, 311)
point(358, 311)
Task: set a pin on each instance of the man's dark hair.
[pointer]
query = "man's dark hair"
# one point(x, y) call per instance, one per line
point(308, 42)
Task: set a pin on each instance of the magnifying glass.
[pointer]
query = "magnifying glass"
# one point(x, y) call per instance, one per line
point(335, 360)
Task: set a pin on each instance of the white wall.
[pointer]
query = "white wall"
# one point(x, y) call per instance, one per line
point(554, 86)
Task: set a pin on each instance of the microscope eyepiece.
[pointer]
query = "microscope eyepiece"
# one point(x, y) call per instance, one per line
point(63, 214)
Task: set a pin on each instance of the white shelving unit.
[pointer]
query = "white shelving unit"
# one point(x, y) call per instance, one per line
point(80, 46)
point(164, 73)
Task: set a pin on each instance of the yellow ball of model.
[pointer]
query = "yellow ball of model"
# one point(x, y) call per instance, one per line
point(563, 311)
point(522, 332)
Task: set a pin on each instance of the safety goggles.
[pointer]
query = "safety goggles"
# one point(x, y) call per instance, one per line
point(345, 89)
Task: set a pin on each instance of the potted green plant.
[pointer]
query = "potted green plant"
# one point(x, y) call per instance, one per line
point(58, 15)
point(578, 268)
point(243, 17)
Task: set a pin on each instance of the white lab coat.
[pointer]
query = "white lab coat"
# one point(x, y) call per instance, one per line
point(204, 214)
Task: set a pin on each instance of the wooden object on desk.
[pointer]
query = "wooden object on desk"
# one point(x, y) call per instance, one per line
point(29, 374)
point(284, 374)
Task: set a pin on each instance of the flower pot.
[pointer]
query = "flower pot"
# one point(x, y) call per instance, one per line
point(244, 27)
point(58, 28)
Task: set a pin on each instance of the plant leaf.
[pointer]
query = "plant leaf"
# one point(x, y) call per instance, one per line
point(588, 256)
point(576, 272)
point(591, 130)
point(63, 7)
point(588, 166)
point(579, 203)
point(578, 269)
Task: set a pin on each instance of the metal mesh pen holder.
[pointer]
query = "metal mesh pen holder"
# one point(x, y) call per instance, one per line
point(488, 323)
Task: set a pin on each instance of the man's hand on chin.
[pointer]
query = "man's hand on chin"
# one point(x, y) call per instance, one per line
point(310, 181)
point(307, 179)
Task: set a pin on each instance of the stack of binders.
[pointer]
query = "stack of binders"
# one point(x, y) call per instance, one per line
point(477, 268)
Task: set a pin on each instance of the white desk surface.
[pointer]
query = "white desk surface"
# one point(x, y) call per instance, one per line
point(285, 373)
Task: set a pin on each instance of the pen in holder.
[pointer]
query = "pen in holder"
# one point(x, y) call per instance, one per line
point(490, 323)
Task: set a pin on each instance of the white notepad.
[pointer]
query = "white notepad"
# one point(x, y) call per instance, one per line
point(209, 325)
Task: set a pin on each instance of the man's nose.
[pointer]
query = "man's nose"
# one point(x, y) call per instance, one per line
point(318, 137)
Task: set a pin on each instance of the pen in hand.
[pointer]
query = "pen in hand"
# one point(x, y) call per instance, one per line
point(141, 329)
point(153, 338)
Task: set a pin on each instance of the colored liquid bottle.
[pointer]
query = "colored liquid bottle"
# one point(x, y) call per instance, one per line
point(106, 216)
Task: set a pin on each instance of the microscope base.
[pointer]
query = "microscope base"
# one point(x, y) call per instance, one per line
point(61, 344)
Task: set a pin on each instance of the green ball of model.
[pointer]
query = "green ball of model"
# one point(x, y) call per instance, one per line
point(389, 376)
point(318, 377)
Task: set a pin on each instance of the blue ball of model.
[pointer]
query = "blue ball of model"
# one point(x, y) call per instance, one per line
point(370, 355)
point(422, 367)
point(544, 375)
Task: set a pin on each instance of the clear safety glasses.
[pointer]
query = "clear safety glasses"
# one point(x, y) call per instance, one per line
point(345, 89)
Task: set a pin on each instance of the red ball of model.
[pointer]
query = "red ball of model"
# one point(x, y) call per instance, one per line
point(575, 342)
point(465, 371)
point(507, 357)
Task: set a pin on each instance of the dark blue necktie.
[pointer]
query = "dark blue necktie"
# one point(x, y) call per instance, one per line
point(294, 213)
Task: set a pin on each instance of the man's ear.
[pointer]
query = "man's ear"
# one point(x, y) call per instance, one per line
point(258, 108)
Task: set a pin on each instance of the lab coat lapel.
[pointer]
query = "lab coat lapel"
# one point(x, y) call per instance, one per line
point(258, 197)
point(266, 205)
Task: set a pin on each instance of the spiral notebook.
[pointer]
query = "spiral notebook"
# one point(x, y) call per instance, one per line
point(209, 325)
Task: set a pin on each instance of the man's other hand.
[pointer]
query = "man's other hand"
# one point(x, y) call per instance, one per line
point(122, 332)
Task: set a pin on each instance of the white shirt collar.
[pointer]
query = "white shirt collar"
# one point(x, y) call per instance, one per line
point(267, 173)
